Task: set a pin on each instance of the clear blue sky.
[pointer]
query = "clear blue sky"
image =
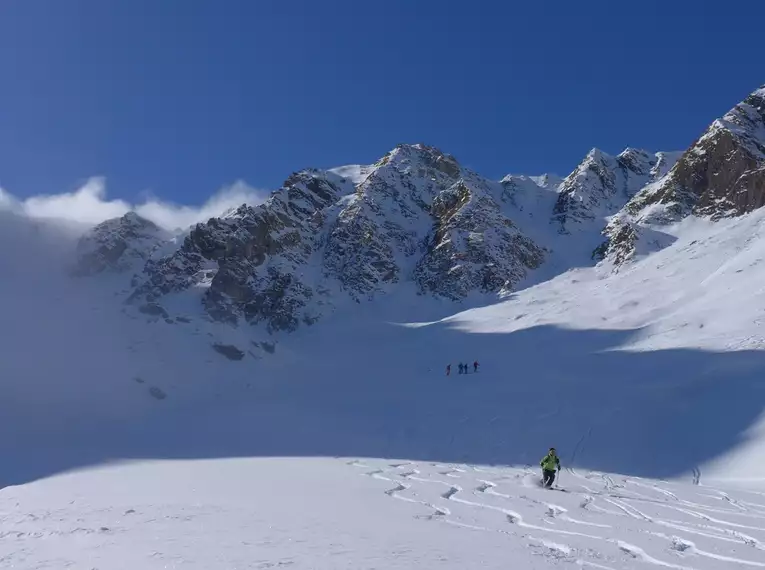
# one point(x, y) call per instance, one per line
point(180, 97)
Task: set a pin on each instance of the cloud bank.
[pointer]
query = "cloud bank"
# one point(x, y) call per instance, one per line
point(89, 205)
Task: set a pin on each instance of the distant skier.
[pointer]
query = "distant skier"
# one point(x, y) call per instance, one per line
point(475, 366)
point(550, 464)
point(448, 369)
point(460, 368)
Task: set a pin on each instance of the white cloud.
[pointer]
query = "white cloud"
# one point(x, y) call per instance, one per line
point(8, 203)
point(89, 205)
point(172, 216)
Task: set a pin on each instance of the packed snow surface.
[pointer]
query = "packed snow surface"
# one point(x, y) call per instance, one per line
point(131, 444)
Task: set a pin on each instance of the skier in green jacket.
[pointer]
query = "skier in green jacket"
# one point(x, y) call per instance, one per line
point(550, 464)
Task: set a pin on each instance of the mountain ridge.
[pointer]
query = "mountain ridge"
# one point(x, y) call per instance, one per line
point(417, 216)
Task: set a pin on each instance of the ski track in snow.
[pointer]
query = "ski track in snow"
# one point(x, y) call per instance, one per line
point(616, 527)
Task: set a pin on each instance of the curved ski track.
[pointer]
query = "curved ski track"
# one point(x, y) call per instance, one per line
point(601, 522)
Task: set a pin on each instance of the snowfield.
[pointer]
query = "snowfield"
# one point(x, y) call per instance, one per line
point(332, 513)
point(130, 442)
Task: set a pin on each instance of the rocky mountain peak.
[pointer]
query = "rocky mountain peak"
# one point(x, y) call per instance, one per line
point(747, 119)
point(353, 232)
point(721, 174)
point(636, 160)
point(601, 185)
point(119, 244)
point(419, 155)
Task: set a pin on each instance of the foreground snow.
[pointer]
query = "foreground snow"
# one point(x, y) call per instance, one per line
point(363, 514)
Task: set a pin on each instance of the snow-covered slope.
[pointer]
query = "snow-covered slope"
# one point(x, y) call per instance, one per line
point(531, 196)
point(325, 514)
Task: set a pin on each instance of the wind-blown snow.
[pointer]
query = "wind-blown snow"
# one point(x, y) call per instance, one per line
point(355, 173)
point(345, 445)
point(89, 205)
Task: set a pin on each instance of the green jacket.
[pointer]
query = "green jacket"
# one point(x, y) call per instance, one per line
point(550, 462)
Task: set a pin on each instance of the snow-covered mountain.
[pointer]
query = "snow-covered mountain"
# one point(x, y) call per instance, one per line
point(722, 174)
point(418, 219)
point(327, 237)
point(346, 444)
point(119, 244)
point(602, 184)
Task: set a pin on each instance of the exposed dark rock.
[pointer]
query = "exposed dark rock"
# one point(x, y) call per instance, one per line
point(229, 351)
point(473, 247)
point(748, 192)
point(118, 245)
point(720, 175)
point(620, 245)
point(153, 309)
point(157, 393)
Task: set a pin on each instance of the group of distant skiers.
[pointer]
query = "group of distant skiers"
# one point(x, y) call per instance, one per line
point(463, 368)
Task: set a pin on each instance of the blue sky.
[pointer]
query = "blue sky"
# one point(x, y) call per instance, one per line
point(181, 97)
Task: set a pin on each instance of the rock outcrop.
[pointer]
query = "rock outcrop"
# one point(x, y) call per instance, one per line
point(473, 247)
point(253, 260)
point(722, 174)
point(120, 244)
point(601, 185)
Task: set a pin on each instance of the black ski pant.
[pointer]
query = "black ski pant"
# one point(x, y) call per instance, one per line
point(548, 477)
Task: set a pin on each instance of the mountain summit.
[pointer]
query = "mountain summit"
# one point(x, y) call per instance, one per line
point(721, 175)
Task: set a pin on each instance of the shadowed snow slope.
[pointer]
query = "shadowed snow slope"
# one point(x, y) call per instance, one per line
point(654, 371)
